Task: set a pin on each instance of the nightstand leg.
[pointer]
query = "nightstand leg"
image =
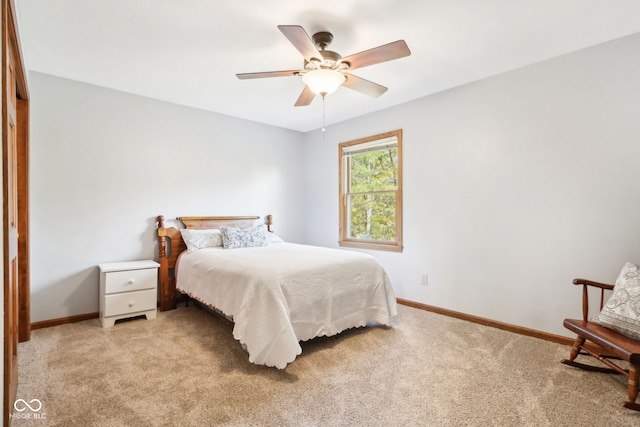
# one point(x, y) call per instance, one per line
point(107, 322)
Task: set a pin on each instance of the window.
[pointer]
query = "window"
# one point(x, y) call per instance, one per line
point(371, 192)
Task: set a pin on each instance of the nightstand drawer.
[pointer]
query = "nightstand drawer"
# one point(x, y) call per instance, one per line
point(132, 280)
point(130, 302)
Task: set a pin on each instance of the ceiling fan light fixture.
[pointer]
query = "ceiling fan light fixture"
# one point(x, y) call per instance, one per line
point(323, 81)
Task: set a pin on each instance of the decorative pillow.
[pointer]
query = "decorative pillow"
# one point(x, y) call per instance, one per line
point(200, 239)
point(622, 311)
point(250, 237)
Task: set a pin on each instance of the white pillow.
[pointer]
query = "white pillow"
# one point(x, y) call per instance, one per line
point(621, 313)
point(200, 239)
point(271, 237)
point(250, 237)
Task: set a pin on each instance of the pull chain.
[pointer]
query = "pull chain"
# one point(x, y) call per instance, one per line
point(323, 115)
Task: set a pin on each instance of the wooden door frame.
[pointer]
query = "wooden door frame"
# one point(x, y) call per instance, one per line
point(23, 179)
point(24, 291)
point(22, 90)
point(10, 40)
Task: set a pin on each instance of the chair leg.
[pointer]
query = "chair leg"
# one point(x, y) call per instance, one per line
point(575, 350)
point(632, 387)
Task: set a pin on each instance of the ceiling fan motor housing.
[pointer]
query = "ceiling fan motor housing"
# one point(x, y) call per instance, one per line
point(322, 39)
point(330, 59)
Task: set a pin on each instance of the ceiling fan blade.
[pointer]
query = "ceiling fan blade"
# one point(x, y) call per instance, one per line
point(387, 52)
point(305, 97)
point(245, 76)
point(301, 40)
point(363, 86)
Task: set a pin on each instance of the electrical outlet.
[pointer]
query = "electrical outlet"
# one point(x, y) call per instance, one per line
point(424, 280)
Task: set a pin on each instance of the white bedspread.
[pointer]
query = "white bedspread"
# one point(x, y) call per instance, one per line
point(284, 293)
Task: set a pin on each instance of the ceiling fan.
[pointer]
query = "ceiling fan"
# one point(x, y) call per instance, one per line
point(324, 70)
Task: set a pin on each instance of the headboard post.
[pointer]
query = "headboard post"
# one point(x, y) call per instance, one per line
point(162, 243)
point(166, 283)
point(269, 222)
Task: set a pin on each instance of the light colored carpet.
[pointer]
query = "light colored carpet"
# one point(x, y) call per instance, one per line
point(185, 369)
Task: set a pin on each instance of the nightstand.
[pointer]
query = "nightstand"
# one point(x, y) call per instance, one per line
point(128, 289)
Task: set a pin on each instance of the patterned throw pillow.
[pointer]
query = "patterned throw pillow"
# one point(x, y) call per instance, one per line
point(251, 237)
point(200, 239)
point(622, 311)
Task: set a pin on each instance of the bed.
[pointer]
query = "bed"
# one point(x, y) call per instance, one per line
point(276, 293)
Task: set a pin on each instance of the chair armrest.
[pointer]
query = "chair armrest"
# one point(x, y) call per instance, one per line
point(585, 294)
point(592, 283)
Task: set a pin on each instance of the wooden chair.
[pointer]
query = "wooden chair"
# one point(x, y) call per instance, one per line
point(604, 344)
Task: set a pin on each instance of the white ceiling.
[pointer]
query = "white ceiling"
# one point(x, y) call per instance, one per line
point(188, 51)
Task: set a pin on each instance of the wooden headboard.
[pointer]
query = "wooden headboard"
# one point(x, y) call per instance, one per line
point(170, 245)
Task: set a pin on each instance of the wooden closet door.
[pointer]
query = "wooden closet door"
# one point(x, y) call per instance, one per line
point(10, 227)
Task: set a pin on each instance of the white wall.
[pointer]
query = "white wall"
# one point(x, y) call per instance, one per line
point(513, 186)
point(104, 164)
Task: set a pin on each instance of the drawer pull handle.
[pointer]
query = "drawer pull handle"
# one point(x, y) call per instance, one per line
point(131, 303)
point(131, 281)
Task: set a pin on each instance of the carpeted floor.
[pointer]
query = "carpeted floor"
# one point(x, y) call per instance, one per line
point(185, 369)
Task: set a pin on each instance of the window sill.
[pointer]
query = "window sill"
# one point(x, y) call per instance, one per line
point(389, 247)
